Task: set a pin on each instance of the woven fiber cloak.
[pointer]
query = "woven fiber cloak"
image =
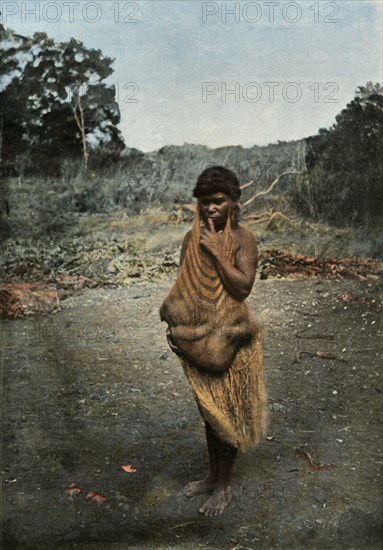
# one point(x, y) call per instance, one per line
point(233, 401)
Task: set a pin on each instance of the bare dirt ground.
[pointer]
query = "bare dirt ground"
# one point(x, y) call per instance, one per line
point(93, 387)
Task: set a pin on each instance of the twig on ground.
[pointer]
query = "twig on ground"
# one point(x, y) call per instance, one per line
point(315, 336)
point(306, 455)
point(319, 354)
point(308, 313)
point(185, 524)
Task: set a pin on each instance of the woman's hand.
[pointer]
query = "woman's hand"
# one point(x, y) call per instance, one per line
point(237, 274)
point(213, 241)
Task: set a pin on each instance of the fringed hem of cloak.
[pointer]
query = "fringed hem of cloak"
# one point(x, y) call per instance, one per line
point(234, 403)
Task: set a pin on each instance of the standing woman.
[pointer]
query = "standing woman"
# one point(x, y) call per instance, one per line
point(212, 330)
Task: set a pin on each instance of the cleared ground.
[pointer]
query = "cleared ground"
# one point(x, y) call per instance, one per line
point(94, 387)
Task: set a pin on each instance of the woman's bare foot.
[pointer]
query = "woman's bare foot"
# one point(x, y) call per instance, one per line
point(199, 487)
point(218, 501)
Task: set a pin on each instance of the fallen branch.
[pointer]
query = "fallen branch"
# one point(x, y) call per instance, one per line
point(245, 185)
point(18, 300)
point(190, 208)
point(268, 216)
point(269, 189)
point(282, 263)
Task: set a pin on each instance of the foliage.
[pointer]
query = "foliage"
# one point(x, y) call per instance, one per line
point(45, 85)
point(343, 183)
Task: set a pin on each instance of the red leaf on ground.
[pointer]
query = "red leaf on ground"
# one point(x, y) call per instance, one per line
point(128, 468)
point(73, 489)
point(96, 497)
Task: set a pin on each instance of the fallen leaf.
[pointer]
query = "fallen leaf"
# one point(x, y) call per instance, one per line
point(128, 468)
point(96, 497)
point(99, 498)
point(73, 490)
point(346, 296)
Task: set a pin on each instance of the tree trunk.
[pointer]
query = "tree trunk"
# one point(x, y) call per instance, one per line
point(1, 138)
point(80, 120)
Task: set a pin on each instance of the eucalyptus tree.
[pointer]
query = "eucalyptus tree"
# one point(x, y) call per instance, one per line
point(54, 98)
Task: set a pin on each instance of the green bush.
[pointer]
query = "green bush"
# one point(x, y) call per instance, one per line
point(343, 184)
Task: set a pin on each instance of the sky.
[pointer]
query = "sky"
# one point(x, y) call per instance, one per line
point(220, 73)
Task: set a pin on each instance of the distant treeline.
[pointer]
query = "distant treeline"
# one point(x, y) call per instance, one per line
point(344, 179)
point(58, 121)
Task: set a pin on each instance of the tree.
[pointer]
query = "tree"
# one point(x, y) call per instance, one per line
point(13, 97)
point(54, 99)
point(345, 163)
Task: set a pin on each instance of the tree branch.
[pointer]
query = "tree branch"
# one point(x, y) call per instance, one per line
point(273, 184)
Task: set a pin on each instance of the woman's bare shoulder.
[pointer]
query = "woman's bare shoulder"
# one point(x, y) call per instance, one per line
point(243, 236)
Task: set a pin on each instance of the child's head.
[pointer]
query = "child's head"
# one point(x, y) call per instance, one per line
point(217, 179)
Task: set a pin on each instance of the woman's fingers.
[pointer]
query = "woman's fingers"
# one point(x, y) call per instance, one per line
point(211, 225)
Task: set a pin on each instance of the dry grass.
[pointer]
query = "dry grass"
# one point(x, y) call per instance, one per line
point(38, 211)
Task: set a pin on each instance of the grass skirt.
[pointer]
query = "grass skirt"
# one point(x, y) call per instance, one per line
point(234, 403)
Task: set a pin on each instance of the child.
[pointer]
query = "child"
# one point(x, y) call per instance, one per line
point(212, 330)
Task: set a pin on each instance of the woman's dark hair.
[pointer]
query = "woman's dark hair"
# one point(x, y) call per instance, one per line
point(217, 179)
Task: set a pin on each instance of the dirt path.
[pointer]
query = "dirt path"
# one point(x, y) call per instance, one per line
point(94, 387)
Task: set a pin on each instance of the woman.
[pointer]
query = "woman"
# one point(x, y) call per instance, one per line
point(212, 330)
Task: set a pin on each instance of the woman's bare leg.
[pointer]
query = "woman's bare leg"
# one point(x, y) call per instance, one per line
point(221, 496)
point(207, 484)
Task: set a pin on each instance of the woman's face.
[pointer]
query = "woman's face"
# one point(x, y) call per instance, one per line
point(216, 207)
